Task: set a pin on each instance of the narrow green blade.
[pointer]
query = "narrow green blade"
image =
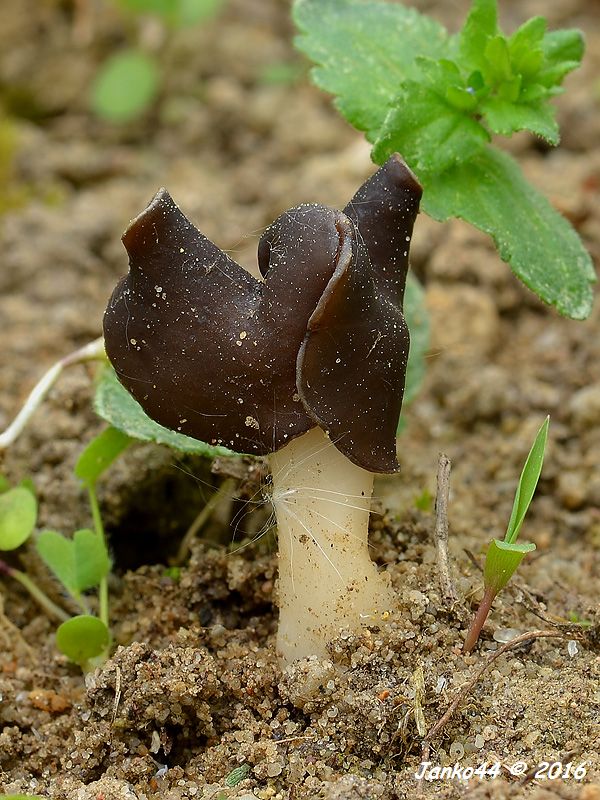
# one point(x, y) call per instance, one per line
point(527, 483)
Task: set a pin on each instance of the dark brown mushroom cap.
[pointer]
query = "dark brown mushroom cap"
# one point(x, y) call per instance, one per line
point(210, 351)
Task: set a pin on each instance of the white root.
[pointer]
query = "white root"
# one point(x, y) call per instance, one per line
point(327, 581)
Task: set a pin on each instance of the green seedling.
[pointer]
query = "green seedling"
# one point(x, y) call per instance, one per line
point(125, 86)
point(129, 81)
point(438, 99)
point(18, 515)
point(504, 556)
point(237, 775)
point(22, 797)
point(80, 563)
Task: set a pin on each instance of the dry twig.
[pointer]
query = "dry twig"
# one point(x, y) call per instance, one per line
point(465, 690)
point(441, 527)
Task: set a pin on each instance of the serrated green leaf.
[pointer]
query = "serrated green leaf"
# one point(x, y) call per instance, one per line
point(563, 47)
point(431, 134)
point(525, 46)
point(100, 454)
point(82, 638)
point(501, 561)
point(480, 26)
point(497, 60)
point(18, 514)
point(505, 118)
point(364, 51)
point(79, 563)
point(115, 405)
point(527, 483)
point(540, 245)
point(125, 86)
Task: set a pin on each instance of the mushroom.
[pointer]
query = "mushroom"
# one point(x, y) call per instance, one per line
point(307, 365)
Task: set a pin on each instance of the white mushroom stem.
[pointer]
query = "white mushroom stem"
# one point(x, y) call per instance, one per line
point(327, 581)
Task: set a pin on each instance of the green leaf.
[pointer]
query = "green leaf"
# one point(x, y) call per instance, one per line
point(563, 51)
point(417, 319)
point(540, 245)
point(480, 26)
point(525, 46)
point(92, 562)
point(27, 483)
point(100, 454)
point(177, 13)
point(365, 50)
point(18, 513)
point(125, 86)
point(497, 60)
point(505, 118)
point(115, 405)
point(79, 563)
point(4, 484)
point(160, 7)
point(501, 561)
point(82, 638)
point(431, 134)
point(191, 12)
point(22, 797)
point(527, 483)
point(237, 775)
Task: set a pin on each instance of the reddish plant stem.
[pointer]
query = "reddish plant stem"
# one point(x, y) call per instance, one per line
point(479, 619)
point(5, 569)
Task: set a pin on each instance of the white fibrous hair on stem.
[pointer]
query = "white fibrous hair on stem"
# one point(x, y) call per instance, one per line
point(327, 581)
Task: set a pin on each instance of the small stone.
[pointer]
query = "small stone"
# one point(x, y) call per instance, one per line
point(572, 648)
point(457, 751)
point(504, 635)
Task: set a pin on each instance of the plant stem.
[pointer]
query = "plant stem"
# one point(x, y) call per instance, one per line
point(327, 581)
point(479, 619)
point(34, 590)
point(99, 527)
point(463, 692)
point(223, 492)
point(92, 350)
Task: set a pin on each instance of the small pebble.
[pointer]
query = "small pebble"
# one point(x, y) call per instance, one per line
point(504, 635)
point(572, 648)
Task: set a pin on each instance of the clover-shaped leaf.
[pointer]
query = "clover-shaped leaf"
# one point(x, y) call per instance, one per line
point(79, 563)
